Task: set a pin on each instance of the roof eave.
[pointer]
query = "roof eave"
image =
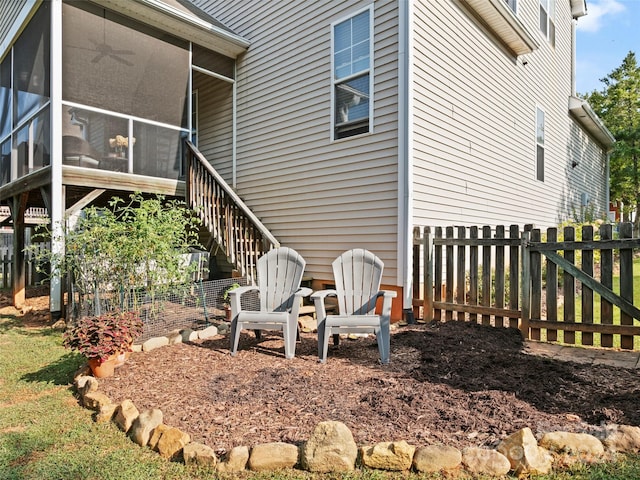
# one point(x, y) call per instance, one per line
point(584, 114)
point(578, 8)
point(189, 27)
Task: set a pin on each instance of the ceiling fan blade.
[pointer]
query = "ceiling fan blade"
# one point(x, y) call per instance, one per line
point(97, 58)
point(121, 60)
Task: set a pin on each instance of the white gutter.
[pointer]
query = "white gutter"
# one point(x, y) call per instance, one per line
point(405, 155)
point(196, 22)
point(585, 115)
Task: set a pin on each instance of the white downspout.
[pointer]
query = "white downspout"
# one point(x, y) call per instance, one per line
point(574, 24)
point(57, 197)
point(405, 155)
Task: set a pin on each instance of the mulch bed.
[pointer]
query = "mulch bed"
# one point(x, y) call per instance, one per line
point(458, 384)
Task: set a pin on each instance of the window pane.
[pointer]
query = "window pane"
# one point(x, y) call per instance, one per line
point(31, 65)
point(543, 21)
point(342, 36)
point(540, 127)
point(352, 100)
point(360, 26)
point(351, 46)
point(116, 64)
point(5, 162)
point(540, 163)
point(5, 97)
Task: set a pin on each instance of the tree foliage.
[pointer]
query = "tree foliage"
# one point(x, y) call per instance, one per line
point(618, 106)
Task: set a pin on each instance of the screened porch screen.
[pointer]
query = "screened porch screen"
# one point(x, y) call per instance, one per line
point(112, 63)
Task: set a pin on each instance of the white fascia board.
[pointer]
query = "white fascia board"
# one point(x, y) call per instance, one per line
point(584, 114)
point(189, 27)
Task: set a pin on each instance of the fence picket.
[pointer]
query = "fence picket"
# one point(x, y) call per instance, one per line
point(473, 273)
point(514, 274)
point(569, 288)
point(552, 288)
point(499, 296)
point(606, 278)
point(536, 285)
point(437, 273)
point(626, 283)
point(486, 274)
point(587, 293)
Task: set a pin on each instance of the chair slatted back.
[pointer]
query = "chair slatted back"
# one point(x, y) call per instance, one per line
point(358, 274)
point(279, 276)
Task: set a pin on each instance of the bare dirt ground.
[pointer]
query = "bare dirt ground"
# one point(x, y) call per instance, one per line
point(455, 383)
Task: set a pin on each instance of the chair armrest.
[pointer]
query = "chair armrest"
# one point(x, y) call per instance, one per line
point(318, 299)
point(304, 292)
point(234, 298)
point(387, 296)
point(321, 294)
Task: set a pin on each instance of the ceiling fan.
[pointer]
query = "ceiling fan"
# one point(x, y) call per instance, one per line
point(105, 50)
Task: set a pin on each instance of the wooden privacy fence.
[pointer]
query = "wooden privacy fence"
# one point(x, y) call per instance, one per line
point(547, 288)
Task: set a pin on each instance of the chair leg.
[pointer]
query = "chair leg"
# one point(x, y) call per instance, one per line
point(325, 344)
point(336, 339)
point(235, 337)
point(383, 337)
point(321, 340)
point(258, 334)
point(289, 334)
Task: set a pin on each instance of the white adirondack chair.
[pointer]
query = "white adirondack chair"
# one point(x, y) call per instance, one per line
point(279, 273)
point(357, 274)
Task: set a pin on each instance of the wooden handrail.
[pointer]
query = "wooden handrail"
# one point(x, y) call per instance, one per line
point(232, 225)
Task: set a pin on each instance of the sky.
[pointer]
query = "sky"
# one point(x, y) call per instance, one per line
point(604, 36)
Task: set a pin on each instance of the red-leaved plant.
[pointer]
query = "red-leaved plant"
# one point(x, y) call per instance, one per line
point(104, 335)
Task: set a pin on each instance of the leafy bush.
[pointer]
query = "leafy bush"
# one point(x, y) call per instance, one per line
point(125, 247)
point(104, 335)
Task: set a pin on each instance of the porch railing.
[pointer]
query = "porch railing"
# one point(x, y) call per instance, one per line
point(232, 225)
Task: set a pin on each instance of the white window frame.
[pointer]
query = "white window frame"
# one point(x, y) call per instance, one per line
point(548, 24)
point(540, 143)
point(369, 71)
point(513, 5)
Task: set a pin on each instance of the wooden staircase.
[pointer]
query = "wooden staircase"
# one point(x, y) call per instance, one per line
point(230, 230)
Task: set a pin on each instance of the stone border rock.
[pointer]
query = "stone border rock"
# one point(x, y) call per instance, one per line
point(331, 447)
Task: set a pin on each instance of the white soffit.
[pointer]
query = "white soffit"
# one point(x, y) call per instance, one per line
point(584, 114)
point(500, 19)
point(172, 17)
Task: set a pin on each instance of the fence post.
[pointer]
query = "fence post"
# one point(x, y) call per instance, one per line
point(427, 307)
point(526, 284)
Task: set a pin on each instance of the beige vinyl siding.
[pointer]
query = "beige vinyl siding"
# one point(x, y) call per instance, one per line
point(474, 133)
point(9, 12)
point(215, 110)
point(316, 196)
point(589, 176)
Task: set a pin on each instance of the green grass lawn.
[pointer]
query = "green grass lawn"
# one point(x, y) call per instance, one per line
point(45, 434)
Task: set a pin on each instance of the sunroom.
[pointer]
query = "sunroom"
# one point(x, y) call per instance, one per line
point(98, 98)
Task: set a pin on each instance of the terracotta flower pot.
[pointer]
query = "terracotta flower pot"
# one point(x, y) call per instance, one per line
point(122, 358)
point(103, 369)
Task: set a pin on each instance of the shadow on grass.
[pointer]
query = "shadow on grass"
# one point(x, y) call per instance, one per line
point(59, 372)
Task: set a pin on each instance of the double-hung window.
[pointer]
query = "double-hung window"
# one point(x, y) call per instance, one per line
point(547, 20)
point(352, 75)
point(540, 144)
